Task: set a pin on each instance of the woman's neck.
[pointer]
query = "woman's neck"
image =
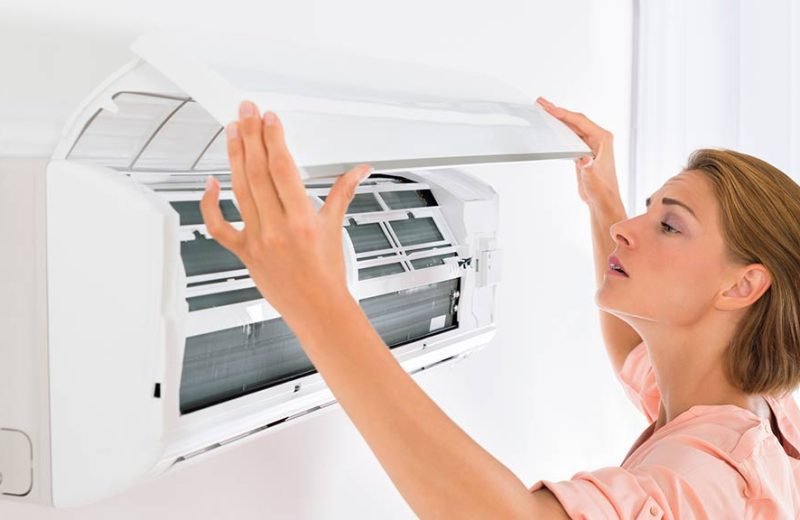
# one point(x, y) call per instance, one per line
point(690, 370)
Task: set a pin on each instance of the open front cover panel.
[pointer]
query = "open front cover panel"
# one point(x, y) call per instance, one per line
point(332, 122)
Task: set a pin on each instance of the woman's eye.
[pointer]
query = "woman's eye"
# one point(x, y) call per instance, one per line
point(668, 229)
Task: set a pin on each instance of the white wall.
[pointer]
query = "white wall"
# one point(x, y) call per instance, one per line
point(542, 398)
point(717, 73)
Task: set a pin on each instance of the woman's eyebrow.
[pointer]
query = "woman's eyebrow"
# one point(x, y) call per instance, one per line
point(667, 200)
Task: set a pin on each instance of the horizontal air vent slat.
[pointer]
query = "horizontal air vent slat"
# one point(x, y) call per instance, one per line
point(214, 281)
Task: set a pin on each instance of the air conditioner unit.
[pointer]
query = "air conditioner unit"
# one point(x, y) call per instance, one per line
point(134, 343)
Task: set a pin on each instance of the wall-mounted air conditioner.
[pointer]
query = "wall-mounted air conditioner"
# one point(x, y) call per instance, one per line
point(133, 342)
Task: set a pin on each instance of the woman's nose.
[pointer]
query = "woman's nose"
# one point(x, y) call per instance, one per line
point(620, 233)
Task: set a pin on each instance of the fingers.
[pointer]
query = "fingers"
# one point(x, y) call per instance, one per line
point(343, 191)
point(241, 188)
point(219, 228)
point(283, 170)
point(266, 180)
point(256, 168)
point(583, 162)
point(579, 123)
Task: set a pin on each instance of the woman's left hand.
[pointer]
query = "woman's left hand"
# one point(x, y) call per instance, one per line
point(293, 252)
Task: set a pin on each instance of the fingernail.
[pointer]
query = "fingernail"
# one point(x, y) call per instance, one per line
point(269, 118)
point(232, 130)
point(209, 182)
point(247, 109)
point(365, 174)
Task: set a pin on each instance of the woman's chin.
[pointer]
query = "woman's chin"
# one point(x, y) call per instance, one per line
point(605, 300)
point(626, 312)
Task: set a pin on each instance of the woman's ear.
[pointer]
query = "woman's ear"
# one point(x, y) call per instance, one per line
point(753, 282)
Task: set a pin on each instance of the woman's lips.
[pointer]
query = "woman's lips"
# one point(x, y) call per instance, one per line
point(615, 265)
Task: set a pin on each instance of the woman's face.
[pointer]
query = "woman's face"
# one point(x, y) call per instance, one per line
point(674, 257)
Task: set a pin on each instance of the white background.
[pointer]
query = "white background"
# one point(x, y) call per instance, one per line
point(717, 73)
point(542, 397)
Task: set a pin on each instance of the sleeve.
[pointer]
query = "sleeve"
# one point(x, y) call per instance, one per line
point(610, 493)
point(639, 381)
point(651, 492)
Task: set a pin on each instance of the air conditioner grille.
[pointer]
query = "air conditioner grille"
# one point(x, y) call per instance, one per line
point(230, 363)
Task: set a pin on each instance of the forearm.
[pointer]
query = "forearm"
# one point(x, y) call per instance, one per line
point(436, 466)
point(618, 336)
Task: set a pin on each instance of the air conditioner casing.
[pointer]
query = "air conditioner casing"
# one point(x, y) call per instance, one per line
point(136, 344)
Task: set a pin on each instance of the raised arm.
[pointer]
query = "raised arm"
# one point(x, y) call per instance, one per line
point(295, 257)
point(599, 189)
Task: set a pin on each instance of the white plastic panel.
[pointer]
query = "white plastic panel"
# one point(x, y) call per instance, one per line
point(340, 110)
point(113, 280)
point(24, 401)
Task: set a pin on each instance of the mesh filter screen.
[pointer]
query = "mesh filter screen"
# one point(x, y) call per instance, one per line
point(230, 363)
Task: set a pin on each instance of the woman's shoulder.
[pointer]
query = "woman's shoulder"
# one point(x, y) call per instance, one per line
point(727, 448)
point(717, 461)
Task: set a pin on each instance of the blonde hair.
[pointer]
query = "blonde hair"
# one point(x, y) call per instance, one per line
point(760, 221)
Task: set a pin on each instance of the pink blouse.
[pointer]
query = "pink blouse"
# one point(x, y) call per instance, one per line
point(711, 461)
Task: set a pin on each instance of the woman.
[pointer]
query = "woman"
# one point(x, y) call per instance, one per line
point(700, 319)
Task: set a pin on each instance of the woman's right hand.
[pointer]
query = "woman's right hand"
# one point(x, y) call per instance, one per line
point(597, 176)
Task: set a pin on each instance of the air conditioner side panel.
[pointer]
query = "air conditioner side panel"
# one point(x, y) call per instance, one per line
point(471, 209)
point(108, 327)
point(24, 413)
